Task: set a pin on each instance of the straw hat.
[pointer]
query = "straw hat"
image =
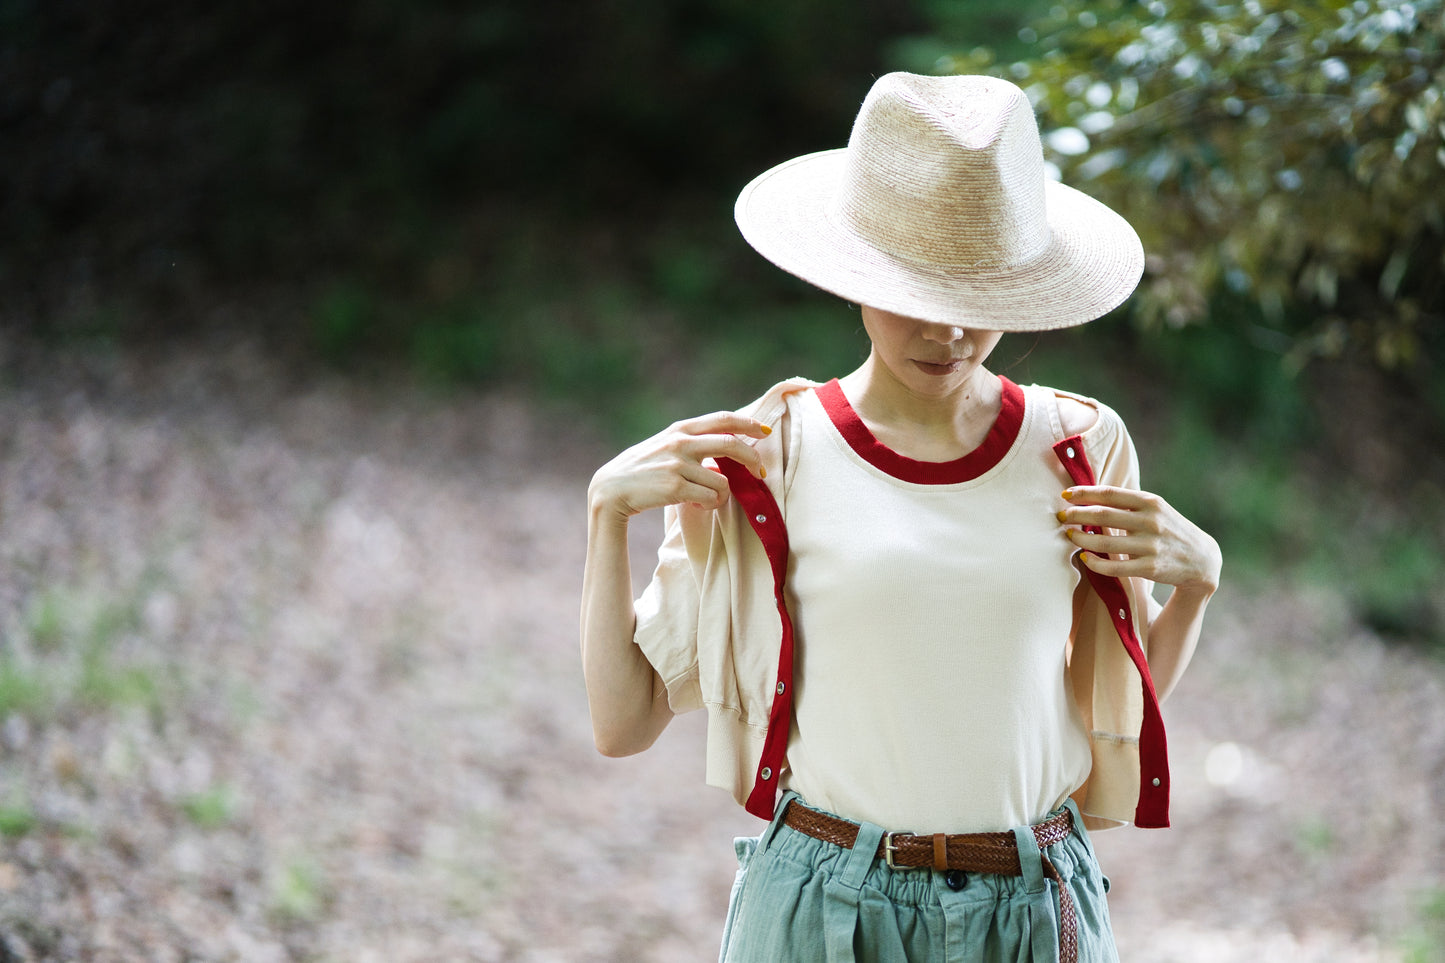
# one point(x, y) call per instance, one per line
point(940, 209)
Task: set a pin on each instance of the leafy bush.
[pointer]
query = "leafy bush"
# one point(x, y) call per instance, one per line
point(1289, 153)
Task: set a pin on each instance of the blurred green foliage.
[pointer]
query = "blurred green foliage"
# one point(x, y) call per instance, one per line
point(161, 145)
point(1002, 27)
point(541, 195)
point(1291, 154)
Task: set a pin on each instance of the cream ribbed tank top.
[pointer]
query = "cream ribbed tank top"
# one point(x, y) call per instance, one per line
point(932, 604)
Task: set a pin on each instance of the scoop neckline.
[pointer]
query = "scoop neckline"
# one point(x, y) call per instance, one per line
point(996, 444)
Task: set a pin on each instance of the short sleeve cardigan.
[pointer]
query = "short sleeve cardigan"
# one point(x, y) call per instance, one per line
point(714, 623)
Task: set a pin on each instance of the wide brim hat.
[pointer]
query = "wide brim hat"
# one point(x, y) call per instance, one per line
point(940, 208)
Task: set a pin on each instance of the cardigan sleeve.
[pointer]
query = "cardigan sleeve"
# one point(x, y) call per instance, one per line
point(667, 617)
point(687, 614)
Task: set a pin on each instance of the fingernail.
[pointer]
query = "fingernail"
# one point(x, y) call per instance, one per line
point(762, 472)
point(767, 430)
point(1060, 516)
point(1068, 493)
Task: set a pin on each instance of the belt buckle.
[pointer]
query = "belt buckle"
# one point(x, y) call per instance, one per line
point(889, 849)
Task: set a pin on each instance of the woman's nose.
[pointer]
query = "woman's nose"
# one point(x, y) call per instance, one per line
point(943, 333)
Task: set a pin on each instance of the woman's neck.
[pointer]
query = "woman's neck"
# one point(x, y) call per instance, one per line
point(933, 426)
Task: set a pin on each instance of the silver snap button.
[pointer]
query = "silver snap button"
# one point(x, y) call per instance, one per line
point(1156, 780)
point(760, 519)
point(1123, 614)
point(766, 774)
point(782, 687)
point(1069, 451)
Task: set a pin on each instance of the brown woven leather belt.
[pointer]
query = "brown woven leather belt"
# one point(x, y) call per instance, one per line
point(969, 852)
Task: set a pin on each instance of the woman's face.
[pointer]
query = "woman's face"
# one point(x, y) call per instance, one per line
point(925, 356)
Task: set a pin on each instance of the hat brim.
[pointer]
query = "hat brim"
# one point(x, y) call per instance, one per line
point(1091, 265)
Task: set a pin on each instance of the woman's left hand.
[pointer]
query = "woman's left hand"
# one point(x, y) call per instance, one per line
point(1159, 543)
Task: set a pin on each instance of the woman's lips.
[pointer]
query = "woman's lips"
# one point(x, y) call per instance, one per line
point(932, 368)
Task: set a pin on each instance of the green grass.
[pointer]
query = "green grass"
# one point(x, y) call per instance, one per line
point(17, 820)
point(71, 656)
point(104, 683)
point(298, 890)
point(1314, 838)
point(24, 690)
point(47, 621)
point(1424, 942)
point(212, 808)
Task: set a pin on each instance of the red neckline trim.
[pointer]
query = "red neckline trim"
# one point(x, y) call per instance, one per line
point(1000, 438)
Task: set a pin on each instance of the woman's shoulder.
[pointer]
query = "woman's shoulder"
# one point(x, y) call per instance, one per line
point(776, 410)
point(1075, 414)
point(773, 404)
point(1080, 414)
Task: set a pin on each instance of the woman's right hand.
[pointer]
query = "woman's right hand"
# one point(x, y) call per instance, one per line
point(669, 469)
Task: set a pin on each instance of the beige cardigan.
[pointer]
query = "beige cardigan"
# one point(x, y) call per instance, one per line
point(713, 625)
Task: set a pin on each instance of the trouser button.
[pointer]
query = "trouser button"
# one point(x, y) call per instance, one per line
point(955, 879)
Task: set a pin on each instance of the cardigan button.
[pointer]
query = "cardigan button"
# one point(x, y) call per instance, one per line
point(1156, 781)
point(766, 774)
point(760, 519)
point(782, 687)
point(1069, 451)
point(1123, 614)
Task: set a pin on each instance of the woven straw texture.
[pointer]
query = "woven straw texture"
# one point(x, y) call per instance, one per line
point(940, 209)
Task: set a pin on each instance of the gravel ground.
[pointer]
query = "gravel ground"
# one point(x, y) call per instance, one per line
point(289, 673)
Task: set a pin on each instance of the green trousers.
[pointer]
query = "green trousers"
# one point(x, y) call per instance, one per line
point(801, 900)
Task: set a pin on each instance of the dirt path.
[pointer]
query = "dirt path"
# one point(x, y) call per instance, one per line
point(288, 673)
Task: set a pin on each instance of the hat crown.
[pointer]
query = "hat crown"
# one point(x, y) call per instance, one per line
point(946, 171)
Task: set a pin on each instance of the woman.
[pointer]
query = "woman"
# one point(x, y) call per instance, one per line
point(915, 601)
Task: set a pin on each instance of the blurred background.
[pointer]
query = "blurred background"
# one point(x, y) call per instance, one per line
point(317, 318)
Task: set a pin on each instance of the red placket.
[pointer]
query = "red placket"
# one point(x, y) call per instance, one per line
point(1152, 811)
point(767, 521)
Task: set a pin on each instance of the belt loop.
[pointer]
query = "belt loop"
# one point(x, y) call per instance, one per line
point(1031, 860)
point(842, 891)
point(1076, 820)
point(860, 859)
point(1044, 923)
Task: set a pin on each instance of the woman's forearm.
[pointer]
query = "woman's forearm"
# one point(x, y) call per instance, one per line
point(1173, 635)
point(624, 693)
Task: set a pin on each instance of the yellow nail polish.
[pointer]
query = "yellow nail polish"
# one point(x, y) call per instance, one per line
point(762, 472)
point(1060, 516)
point(766, 429)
